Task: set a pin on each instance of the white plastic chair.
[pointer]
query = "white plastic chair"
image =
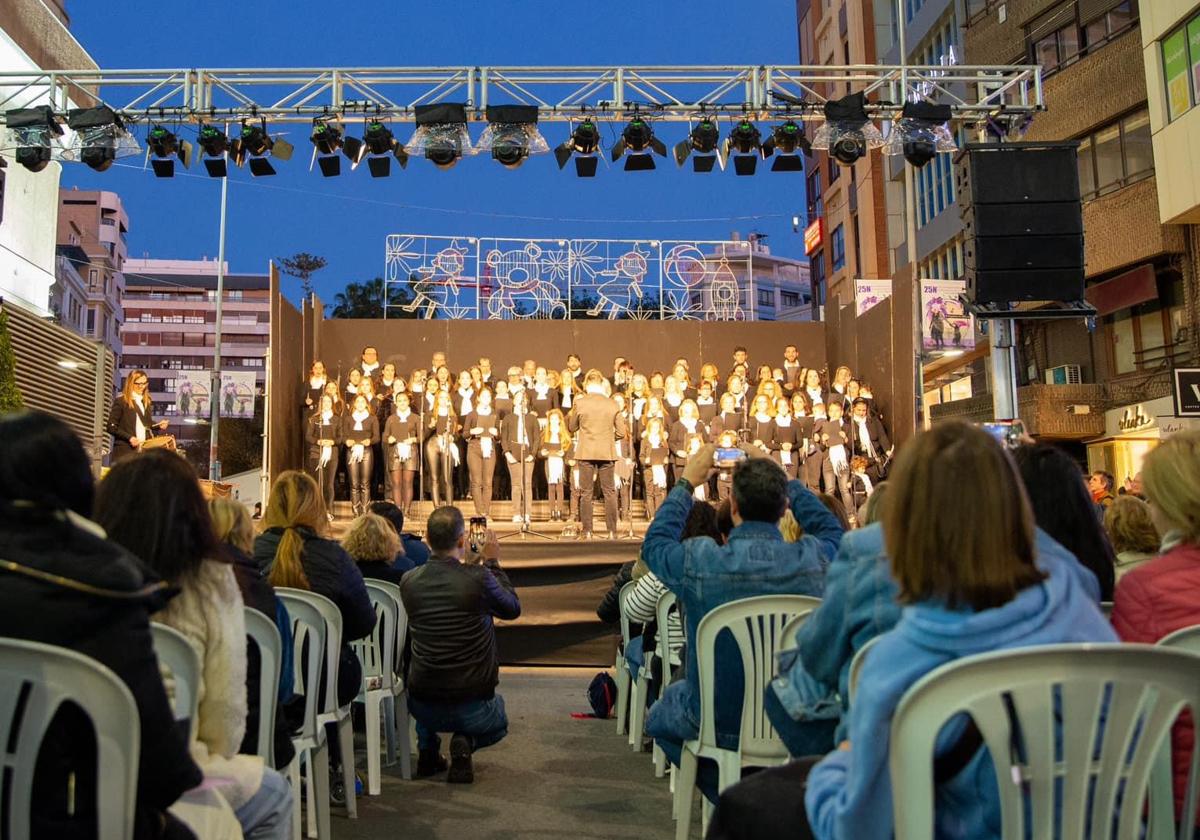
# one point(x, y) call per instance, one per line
point(621, 675)
point(265, 635)
point(179, 656)
point(1162, 793)
point(856, 665)
point(35, 680)
point(668, 654)
point(309, 646)
point(756, 624)
point(1025, 702)
point(397, 720)
point(377, 656)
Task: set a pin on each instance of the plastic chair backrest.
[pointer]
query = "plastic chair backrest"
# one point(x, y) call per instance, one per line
point(756, 624)
point(265, 635)
point(376, 653)
point(308, 626)
point(792, 627)
point(622, 597)
point(333, 641)
point(1162, 792)
point(856, 665)
point(176, 652)
point(35, 680)
point(1106, 607)
point(668, 650)
point(1078, 724)
point(401, 636)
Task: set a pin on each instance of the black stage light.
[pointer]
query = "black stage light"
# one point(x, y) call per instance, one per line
point(788, 140)
point(512, 134)
point(921, 133)
point(848, 132)
point(583, 144)
point(744, 143)
point(328, 139)
point(162, 147)
point(254, 145)
point(32, 133)
point(702, 140)
point(638, 139)
point(441, 134)
point(381, 145)
point(214, 144)
point(100, 137)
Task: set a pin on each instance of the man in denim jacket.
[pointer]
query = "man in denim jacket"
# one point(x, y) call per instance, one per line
point(705, 575)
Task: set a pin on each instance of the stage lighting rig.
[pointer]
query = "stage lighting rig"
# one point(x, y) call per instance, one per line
point(744, 145)
point(255, 145)
point(788, 140)
point(701, 145)
point(848, 132)
point(638, 139)
point(214, 144)
point(512, 134)
point(162, 147)
point(328, 139)
point(441, 134)
point(33, 132)
point(381, 146)
point(921, 133)
point(583, 144)
point(100, 137)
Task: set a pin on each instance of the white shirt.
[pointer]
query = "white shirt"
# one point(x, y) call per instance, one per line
point(139, 427)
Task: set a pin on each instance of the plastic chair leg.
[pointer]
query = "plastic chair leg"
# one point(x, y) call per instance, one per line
point(319, 810)
point(622, 681)
point(389, 728)
point(637, 707)
point(404, 722)
point(685, 787)
point(293, 774)
point(346, 738)
point(372, 714)
point(660, 763)
point(706, 809)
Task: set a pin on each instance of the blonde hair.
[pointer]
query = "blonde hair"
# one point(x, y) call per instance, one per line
point(295, 502)
point(790, 528)
point(1171, 478)
point(127, 391)
point(564, 435)
point(1130, 527)
point(371, 538)
point(231, 523)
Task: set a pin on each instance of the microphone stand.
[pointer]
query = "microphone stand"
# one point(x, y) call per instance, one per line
point(421, 438)
point(630, 455)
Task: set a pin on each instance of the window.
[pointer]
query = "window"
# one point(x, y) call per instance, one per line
point(91, 322)
point(834, 170)
point(1181, 64)
point(1115, 155)
point(1059, 37)
point(93, 279)
point(838, 248)
point(766, 297)
point(787, 299)
point(816, 265)
point(1144, 337)
point(857, 267)
point(816, 207)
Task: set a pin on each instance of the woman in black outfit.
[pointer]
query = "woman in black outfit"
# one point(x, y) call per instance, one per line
point(324, 439)
point(441, 425)
point(130, 420)
point(481, 429)
point(360, 431)
point(314, 387)
point(402, 435)
point(785, 448)
point(681, 434)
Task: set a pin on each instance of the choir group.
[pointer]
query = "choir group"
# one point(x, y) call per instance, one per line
point(443, 434)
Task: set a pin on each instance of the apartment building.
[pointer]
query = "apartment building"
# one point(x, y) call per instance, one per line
point(95, 222)
point(777, 288)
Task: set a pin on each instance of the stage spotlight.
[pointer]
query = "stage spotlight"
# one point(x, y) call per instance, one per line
point(32, 132)
point(744, 144)
point(100, 137)
point(639, 141)
point(380, 147)
point(162, 147)
point(214, 144)
point(512, 134)
point(255, 145)
point(702, 140)
point(848, 132)
point(328, 140)
point(788, 140)
point(441, 134)
point(921, 132)
point(583, 145)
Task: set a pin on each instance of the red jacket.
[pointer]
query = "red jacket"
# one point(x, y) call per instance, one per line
point(1152, 601)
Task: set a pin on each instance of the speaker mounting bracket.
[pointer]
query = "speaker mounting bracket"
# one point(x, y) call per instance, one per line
point(1047, 310)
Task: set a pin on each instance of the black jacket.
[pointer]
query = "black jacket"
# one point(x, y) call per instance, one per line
point(122, 425)
point(875, 432)
point(99, 604)
point(609, 610)
point(450, 606)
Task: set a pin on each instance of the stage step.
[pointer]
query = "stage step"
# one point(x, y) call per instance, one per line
point(501, 516)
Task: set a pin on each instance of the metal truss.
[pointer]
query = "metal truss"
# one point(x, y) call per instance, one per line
point(560, 93)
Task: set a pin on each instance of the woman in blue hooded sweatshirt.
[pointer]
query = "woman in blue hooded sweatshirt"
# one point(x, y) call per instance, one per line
point(960, 536)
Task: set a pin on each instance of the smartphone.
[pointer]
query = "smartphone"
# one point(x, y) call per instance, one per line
point(728, 456)
point(1007, 432)
point(477, 533)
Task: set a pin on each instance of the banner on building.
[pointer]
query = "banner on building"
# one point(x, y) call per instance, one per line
point(867, 293)
point(237, 394)
point(1175, 71)
point(945, 326)
point(192, 393)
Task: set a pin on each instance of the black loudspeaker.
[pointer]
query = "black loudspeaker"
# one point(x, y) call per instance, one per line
point(1023, 222)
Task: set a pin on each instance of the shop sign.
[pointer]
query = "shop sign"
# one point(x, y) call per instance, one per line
point(1187, 392)
point(1168, 426)
point(812, 237)
point(1139, 419)
point(1134, 419)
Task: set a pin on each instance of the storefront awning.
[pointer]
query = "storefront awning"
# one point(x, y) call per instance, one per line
point(1123, 291)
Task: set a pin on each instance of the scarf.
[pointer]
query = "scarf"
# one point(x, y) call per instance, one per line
point(864, 437)
point(866, 482)
point(368, 369)
point(465, 403)
point(359, 417)
point(326, 416)
point(815, 393)
point(541, 390)
point(688, 424)
point(314, 383)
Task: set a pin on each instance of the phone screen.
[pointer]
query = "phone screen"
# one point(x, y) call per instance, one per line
point(728, 455)
point(477, 534)
point(1007, 432)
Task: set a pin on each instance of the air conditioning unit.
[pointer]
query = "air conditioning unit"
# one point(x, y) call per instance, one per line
point(1063, 375)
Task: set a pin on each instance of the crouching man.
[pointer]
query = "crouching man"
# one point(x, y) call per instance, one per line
point(454, 669)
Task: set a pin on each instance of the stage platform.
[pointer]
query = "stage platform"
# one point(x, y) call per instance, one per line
point(559, 580)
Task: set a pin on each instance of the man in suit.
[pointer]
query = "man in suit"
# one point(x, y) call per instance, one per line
point(597, 424)
point(791, 367)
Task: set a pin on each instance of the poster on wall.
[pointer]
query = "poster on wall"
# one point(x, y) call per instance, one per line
point(945, 326)
point(867, 293)
point(1175, 71)
point(191, 393)
point(237, 394)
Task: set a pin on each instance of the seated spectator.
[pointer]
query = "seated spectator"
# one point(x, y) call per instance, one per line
point(609, 610)
point(965, 591)
point(1163, 595)
point(1129, 526)
point(1065, 511)
point(454, 669)
point(837, 508)
point(234, 530)
point(704, 575)
point(415, 552)
point(872, 511)
point(64, 584)
point(375, 546)
point(153, 506)
point(1100, 486)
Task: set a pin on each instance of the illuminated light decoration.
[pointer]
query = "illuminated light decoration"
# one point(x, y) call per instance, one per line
point(813, 235)
point(848, 132)
point(441, 134)
point(100, 137)
point(214, 144)
point(380, 147)
point(921, 133)
point(34, 133)
point(701, 145)
point(583, 145)
point(512, 134)
point(163, 146)
point(744, 145)
point(639, 141)
point(328, 140)
point(256, 146)
point(787, 140)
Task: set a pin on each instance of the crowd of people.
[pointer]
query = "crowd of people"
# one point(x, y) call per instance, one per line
point(444, 434)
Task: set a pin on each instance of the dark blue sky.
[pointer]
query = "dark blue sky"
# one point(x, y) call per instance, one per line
point(346, 219)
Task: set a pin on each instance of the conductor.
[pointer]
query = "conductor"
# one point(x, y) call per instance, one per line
point(596, 423)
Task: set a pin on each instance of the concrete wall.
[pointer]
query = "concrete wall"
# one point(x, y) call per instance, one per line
point(1176, 152)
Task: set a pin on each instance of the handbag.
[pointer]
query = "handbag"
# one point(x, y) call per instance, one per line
point(160, 442)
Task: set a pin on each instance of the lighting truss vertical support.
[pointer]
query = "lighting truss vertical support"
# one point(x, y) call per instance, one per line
point(214, 389)
point(1004, 368)
point(910, 236)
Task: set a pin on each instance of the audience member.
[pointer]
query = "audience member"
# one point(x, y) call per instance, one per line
point(1130, 527)
point(1100, 486)
point(413, 551)
point(835, 506)
point(153, 506)
point(872, 511)
point(454, 669)
point(375, 546)
point(1065, 511)
point(64, 583)
point(965, 591)
point(705, 575)
point(1163, 595)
